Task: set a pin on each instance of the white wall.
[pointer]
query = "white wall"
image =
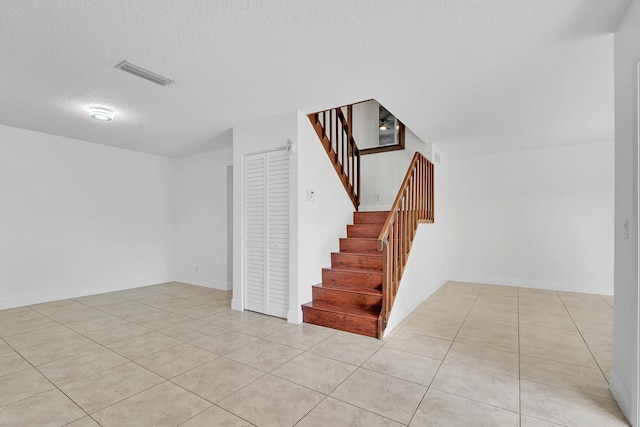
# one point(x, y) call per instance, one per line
point(252, 137)
point(382, 173)
point(200, 236)
point(321, 222)
point(624, 377)
point(425, 271)
point(541, 218)
point(78, 218)
point(366, 130)
point(315, 225)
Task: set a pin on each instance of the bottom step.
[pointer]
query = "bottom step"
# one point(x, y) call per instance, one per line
point(349, 319)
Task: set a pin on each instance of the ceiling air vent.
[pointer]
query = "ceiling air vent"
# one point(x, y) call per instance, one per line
point(145, 74)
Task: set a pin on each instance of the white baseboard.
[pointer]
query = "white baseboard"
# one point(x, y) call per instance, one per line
point(237, 305)
point(22, 300)
point(590, 288)
point(295, 316)
point(207, 283)
point(622, 396)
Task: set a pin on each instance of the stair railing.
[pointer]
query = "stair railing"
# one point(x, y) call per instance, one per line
point(413, 205)
point(336, 134)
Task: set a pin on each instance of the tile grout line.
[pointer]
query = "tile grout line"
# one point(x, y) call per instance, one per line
point(128, 360)
point(303, 351)
point(328, 395)
point(49, 380)
point(250, 383)
point(101, 345)
point(584, 340)
point(165, 380)
point(445, 355)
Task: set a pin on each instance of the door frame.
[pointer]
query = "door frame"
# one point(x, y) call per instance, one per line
point(636, 388)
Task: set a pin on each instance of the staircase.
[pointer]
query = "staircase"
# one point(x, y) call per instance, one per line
point(350, 295)
point(357, 292)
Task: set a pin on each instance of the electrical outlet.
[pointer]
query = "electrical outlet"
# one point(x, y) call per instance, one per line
point(195, 269)
point(378, 197)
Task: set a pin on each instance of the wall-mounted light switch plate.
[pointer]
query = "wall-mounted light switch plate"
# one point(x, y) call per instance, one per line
point(311, 195)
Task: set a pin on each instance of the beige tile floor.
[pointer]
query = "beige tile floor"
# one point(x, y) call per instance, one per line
point(176, 355)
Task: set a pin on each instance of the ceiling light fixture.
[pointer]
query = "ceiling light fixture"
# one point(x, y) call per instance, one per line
point(101, 114)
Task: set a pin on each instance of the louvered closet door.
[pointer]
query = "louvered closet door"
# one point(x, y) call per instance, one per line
point(255, 185)
point(266, 231)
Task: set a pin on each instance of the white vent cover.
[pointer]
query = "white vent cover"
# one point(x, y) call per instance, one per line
point(145, 74)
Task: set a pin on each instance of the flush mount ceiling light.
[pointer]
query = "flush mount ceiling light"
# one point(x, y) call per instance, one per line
point(101, 114)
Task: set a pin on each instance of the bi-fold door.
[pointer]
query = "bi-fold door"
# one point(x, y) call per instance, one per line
point(266, 232)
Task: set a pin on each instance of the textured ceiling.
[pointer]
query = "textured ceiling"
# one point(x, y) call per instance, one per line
point(474, 76)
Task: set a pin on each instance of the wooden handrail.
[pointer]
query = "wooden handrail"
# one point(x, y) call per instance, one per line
point(414, 204)
point(336, 134)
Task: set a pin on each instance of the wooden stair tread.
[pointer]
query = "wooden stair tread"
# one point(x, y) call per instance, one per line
point(371, 314)
point(355, 270)
point(357, 260)
point(364, 230)
point(373, 213)
point(376, 254)
point(359, 245)
point(354, 289)
point(370, 217)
